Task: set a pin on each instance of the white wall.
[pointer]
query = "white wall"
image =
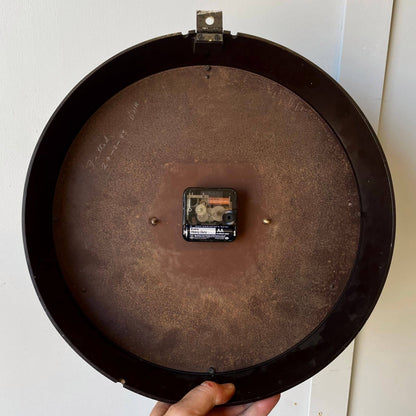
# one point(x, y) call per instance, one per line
point(384, 371)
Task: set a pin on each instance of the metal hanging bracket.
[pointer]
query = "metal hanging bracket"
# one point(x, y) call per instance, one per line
point(209, 31)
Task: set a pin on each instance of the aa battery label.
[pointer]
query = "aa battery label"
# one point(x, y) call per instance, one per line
point(210, 233)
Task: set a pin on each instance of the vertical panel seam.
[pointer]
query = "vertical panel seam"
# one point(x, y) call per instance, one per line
point(341, 40)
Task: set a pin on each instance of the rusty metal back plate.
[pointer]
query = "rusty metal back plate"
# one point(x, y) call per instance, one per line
point(191, 306)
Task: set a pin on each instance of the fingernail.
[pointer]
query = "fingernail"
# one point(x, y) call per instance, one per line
point(229, 387)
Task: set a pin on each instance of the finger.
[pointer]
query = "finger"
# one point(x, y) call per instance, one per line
point(160, 409)
point(200, 400)
point(230, 410)
point(262, 407)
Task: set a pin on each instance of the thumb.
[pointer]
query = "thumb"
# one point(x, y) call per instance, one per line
point(200, 400)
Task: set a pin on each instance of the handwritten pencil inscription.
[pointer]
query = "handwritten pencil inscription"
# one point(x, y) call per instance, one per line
point(105, 151)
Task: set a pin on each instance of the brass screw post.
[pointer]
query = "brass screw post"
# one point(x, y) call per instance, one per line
point(154, 221)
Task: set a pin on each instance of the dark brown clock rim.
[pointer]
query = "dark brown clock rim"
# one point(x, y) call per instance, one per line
point(334, 105)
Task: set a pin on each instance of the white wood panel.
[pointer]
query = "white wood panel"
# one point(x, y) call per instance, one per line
point(364, 53)
point(294, 402)
point(384, 372)
point(330, 388)
point(47, 46)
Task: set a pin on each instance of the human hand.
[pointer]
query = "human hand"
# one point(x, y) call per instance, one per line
point(201, 401)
